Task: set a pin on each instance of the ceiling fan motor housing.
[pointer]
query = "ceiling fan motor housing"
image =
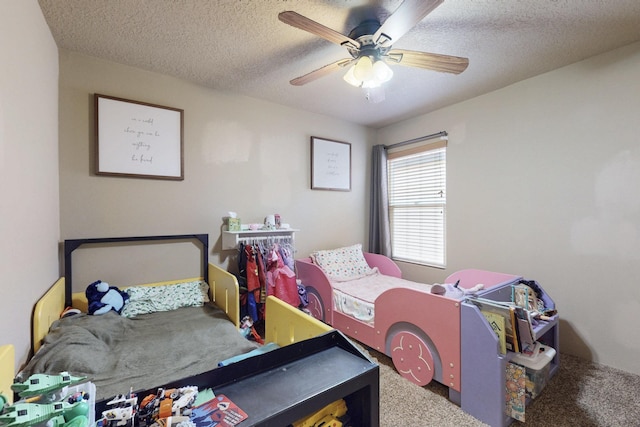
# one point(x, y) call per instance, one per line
point(363, 34)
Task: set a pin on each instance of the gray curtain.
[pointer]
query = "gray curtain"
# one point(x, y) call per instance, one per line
point(379, 234)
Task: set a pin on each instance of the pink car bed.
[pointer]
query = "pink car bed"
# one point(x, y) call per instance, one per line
point(422, 330)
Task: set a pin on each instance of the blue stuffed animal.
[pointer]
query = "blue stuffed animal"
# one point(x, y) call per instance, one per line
point(103, 298)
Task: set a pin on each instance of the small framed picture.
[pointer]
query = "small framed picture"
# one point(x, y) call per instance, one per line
point(330, 164)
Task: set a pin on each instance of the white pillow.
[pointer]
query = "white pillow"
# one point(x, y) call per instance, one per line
point(149, 299)
point(342, 264)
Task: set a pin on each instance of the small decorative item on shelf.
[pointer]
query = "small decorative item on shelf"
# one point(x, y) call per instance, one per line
point(233, 222)
point(270, 222)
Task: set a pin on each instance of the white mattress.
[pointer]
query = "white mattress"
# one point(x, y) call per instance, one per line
point(356, 298)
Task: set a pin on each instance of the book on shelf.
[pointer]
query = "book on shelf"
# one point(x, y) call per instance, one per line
point(515, 391)
point(506, 310)
point(515, 329)
point(526, 335)
point(496, 321)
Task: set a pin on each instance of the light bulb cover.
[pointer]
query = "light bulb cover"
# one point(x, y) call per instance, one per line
point(363, 70)
point(382, 71)
point(350, 78)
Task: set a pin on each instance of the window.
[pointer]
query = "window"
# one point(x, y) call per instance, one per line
point(417, 203)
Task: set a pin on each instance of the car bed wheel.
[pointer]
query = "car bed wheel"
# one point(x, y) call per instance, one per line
point(315, 306)
point(412, 358)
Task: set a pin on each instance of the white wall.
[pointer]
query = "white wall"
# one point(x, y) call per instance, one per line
point(29, 208)
point(240, 154)
point(544, 182)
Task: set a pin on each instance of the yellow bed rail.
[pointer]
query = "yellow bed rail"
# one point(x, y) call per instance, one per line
point(7, 362)
point(287, 325)
point(225, 293)
point(47, 310)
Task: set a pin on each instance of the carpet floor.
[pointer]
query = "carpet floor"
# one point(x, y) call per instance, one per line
point(581, 394)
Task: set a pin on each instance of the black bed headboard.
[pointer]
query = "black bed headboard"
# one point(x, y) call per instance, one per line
point(71, 245)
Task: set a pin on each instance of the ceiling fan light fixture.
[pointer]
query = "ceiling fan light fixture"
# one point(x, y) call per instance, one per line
point(363, 70)
point(368, 74)
point(351, 79)
point(382, 71)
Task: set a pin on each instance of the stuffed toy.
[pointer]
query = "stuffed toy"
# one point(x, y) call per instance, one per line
point(103, 298)
point(455, 291)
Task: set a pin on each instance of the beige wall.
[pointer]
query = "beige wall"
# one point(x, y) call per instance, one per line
point(544, 181)
point(29, 210)
point(240, 154)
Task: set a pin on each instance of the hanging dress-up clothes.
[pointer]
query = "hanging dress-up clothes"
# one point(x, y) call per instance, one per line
point(253, 282)
point(281, 280)
point(261, 254)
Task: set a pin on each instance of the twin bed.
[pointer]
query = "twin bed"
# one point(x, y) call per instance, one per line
point(146, 351)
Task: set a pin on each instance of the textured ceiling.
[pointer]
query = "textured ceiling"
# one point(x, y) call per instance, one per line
point(240, 45)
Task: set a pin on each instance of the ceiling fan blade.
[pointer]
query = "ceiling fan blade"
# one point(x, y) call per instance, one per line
point(406, 16)
point(430, 61)
point(302, 22)
point(321, 72)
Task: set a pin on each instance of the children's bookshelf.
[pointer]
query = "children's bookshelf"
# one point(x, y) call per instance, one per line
point(484, 363)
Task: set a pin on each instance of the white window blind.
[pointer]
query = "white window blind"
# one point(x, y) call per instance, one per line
point(417, 203)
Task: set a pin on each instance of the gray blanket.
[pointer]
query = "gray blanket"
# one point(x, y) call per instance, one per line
point(144, 352)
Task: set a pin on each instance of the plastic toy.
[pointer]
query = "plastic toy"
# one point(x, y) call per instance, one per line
point(122, 410)
point(248, 330)
point(57, 414)
point(103, 298)
point(47, 390)
point(77, 397)
point(44, 385)
point(332, 415)
point(183, 400)
point(163, 404)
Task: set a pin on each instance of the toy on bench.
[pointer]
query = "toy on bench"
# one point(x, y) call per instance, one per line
point(332, 415)
point(45, 399)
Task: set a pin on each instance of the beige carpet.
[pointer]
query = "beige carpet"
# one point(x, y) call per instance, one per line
point(581, 394)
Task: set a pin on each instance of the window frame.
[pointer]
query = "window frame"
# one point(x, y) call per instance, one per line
point(436, 256)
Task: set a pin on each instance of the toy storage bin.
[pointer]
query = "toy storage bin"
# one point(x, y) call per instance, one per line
point(537, 369)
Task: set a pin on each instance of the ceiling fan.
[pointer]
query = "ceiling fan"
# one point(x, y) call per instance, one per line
point(370, 47)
